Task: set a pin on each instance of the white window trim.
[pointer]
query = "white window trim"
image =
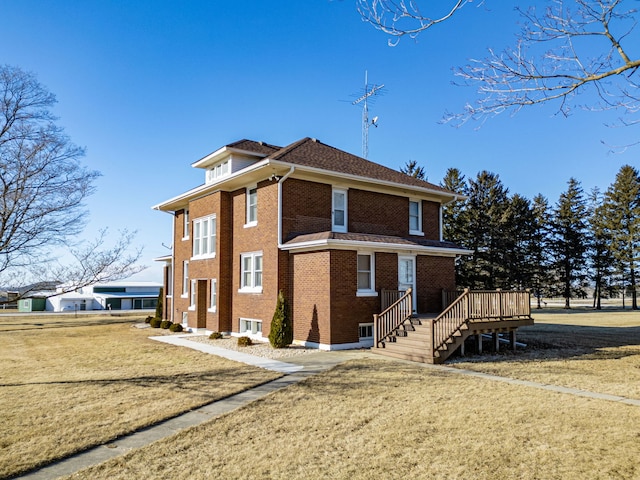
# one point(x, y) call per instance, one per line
point(250, 288)
point(369, 292)
point(212, 239)
point(192, 294)
point(419, 231)
point(334, 227)
point(250, 333)
point(213, 296)
point(185, 279)
point(252, 223)
point(185, 225)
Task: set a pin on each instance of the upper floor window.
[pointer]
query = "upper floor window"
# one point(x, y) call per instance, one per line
point(415, 217)
point(366, 274)
point(251, 274)
point(204, 236)
point(185, 224)
point(220, 170)
point(339, 210)
point(252, 206)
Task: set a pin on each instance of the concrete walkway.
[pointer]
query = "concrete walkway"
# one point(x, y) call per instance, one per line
point(297, 369)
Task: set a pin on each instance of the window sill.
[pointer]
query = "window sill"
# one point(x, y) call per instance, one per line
point(203, 257)
point(366, 293)
point(250, 224)
point(212, 310)
point(185, 238)
point(192, 308)
point(416, 232)
point(250, 290)
point(184, 295)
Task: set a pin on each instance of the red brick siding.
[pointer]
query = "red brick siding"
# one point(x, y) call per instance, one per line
point(377, 213)
point(262, 237)
point(386, 271)
point(433, 274)
point(306, 207)
point(181, 251)
point(310, 305)
point(431, 220)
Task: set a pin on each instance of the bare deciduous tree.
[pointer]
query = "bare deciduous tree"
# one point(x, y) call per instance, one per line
point(565, 48)
point(42, 189)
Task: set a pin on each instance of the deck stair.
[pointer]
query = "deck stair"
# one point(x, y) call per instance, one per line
point(400, 334)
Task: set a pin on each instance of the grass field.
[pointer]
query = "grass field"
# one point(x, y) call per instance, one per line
point(69, 383)
point(381, 419)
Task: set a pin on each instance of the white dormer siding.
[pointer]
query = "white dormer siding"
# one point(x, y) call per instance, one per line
point(225, 168)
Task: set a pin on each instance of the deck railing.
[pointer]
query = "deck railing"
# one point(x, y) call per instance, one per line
point(476, 306)
point(392, 317)
point(389, 297)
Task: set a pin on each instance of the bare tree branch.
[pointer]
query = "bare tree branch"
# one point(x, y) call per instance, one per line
point(400, 18)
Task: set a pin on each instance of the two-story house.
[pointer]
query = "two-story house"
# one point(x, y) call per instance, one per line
point(329, 229)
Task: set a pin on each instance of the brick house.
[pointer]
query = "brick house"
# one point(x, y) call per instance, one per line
point(329, 229)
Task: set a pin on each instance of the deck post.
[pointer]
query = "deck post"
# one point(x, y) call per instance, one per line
point(462, 349)
point(512, 339)
point(479, 343)
point(496, 342)
point(375, 330)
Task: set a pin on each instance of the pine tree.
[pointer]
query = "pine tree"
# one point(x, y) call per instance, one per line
point(622, 213)
point(159, 304)
point(518, 231)
point(600, 253)
point(281, 333)
point(539, 248)
point(486, 208)
point(569, 242)
point(455, 217)
point(412, 169)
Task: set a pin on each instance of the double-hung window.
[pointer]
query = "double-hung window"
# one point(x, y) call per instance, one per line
point(213, 298)
point(251, 272)
point(192, 297)
point(185, 224)
point(366, 274)
point(415, 217)
point(339, 210)
point(204, 237)
point(252, 207)
point(185, 278)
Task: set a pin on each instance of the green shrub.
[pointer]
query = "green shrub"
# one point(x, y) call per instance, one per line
point(281, 333)
point(215, 336)
point(244, 342)
point(165, 324)
point(148, 319)
point(175, 327)
point(155, 322)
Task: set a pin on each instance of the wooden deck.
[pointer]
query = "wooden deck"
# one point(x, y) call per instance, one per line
point(432, 339)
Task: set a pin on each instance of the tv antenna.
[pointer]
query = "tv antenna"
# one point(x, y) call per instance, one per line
point(369, 91)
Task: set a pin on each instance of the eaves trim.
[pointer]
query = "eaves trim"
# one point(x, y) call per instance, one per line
point(336, 244)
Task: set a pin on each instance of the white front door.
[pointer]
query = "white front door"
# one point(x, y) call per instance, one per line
point(407, 276)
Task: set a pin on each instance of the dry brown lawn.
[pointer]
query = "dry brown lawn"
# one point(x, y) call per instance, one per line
point(69, 383)
point(591, 350)
point(381, 419)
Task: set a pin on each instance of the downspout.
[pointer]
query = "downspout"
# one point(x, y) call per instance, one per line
point(455, 198)
point(280, 182)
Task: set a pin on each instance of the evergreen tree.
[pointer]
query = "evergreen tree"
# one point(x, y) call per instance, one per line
point(281, 333)
point(159, 303)
point(412, 169)
point(539, 248)
point(600, 253)
point(455, 218)
point(569, 242)
point(486, 209)
point(518, 232)
point(622, 211)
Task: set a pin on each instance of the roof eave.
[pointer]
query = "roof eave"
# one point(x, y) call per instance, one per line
point(337, 244)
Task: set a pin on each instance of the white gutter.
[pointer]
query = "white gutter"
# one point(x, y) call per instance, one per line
point(280, 182)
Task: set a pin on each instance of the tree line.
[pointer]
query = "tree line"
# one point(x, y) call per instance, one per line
point(581, 243)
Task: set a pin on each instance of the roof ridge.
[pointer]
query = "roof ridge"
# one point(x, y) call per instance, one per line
point(289, 148)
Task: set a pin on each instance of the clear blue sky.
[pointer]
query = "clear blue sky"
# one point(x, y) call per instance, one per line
point(148, 87)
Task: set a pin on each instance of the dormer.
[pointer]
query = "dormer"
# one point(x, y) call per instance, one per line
point(232, 158)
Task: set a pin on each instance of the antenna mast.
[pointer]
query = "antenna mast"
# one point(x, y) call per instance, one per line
point(368, 92)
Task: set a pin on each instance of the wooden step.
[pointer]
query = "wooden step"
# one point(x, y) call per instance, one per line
point(408, 348)
point(413, 357)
